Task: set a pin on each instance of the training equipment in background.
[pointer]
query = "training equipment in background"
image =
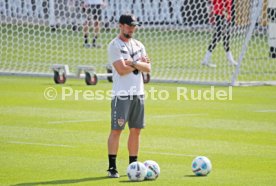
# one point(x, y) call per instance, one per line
point(153, 170)
point(136, 171)
point(109, 71)
point(38, 34)
point(61, 72)
point(201, 166)
point(90, 74)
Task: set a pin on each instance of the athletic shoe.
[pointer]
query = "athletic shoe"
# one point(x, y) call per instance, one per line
point(86, 45)
point(206, 60)
point(231, 59)
point(233, 63)
point(209, 65)
point(112, 173)
point(96, 45)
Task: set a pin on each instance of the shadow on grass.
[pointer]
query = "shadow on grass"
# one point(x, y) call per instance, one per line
point(129, 181)
point(61, 182)
point(194, 176)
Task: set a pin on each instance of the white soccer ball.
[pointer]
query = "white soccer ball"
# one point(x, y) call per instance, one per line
point(153, 170)
point(201, 166)
point(136, 171)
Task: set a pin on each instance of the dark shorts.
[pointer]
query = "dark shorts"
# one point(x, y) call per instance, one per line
point(127, 109)
point(93, 12)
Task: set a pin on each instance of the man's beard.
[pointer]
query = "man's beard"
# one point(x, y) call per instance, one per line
point(127, 36)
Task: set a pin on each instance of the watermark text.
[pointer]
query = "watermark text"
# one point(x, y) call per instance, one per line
point(182, 93)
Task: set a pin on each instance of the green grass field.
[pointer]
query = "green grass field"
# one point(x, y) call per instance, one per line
point(64, 142)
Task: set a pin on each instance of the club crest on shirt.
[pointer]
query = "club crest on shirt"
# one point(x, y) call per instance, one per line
point(121, 122)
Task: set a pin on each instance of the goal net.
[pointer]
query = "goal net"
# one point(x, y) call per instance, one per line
point(35, 34)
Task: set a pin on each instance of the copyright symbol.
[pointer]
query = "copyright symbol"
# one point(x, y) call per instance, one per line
point(50, 93)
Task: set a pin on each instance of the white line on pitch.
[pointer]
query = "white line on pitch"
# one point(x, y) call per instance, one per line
point(169, 154)
point(265, 111)
point(73, 121)
point(40, 144)
point(175, 115)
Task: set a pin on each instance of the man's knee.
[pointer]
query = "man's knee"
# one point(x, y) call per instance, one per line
point(135, 131)
point(116, 132)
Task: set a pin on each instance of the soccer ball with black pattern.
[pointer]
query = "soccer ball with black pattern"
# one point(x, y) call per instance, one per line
point(201, 166)
point(136, 171)
point(153, 170)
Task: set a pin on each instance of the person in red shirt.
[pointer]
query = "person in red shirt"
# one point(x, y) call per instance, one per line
point(222, 16)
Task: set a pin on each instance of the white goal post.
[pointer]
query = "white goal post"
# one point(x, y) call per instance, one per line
point(36, 34)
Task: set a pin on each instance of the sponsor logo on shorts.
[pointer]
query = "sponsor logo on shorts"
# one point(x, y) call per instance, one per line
point(121, 122)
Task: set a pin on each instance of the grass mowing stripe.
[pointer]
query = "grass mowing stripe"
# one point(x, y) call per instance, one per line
point(40, 144)
point(169, 154)
point(73, 121)
point(175, 115)
point(268, 111)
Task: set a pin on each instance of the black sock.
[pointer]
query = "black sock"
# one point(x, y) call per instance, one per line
point(85, 37)
point(94, 40)
point(132, 159)
point(112, 161)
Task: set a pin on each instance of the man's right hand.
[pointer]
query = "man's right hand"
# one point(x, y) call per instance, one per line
point(128, 62)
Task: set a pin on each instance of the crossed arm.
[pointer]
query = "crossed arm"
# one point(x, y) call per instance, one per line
point(124, 67)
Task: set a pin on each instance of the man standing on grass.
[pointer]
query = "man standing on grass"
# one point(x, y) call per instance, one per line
point(93, 13)
point(128, 59)
point(222, 12)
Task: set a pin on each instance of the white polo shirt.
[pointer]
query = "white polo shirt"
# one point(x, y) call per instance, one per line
point(129, 84)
